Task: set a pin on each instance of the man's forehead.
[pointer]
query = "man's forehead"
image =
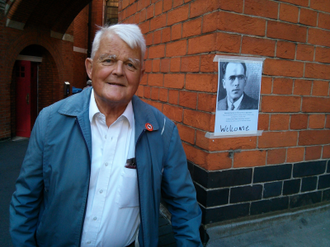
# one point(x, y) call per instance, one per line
point(234, 68)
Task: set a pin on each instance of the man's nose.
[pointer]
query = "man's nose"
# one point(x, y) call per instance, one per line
point(236, 81)
point(118, 70)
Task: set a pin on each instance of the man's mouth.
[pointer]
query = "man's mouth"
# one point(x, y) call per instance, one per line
point(115, 84)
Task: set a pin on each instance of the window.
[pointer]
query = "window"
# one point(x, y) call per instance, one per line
point(111, 12)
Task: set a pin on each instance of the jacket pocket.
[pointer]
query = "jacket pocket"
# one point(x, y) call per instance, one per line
point(128, 193)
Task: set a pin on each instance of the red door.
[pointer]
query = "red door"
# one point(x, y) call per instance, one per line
point(23, 99)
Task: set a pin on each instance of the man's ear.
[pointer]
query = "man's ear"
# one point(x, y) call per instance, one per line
point(89, 67)
point(142, 73)
point(223, 83)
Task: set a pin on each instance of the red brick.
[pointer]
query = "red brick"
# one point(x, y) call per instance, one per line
point(142, 15)
point(155, 80)
point(177, 48)
point(191, 28)
point(154, 93)
point(323, 5)
point(207, 64)
point(167, 5)
point(241, 24)
point(202, 82)
point(158, 8)
point(228, 42)
point(314, 137)
point(295, 154)
point(278, 139)
point(282, 86)
point(157, 37)
point(200, 120)
point(186, 133)
point(315, 104)
point(158, 22)
point(255, 46)
point(166, 34)
point(327, 125)
point(173, 97)
point(233, 5)
point(148, 66)
point(206, 102)
point(279, 122)
point(318, 37)
point(177, 3)
point(211, 22)
point(320, 71)
point(289, 13)
point(316, 121)
point(279, 67)
point(298, 121)
point(150, 11)
point(145, 27)
point(156, 51)
point(280, 104)
point(163, 94)
point(173, 112)
point(321, 88)
point(263, 122)
point(261, 8)
point(249, 159)
point(279, 30)
point(156, 65)
point(322, 54)
point(308, 17)
point(188, 99)
point(195, 155)
point(190, 64)
point(305, 52)
point(225, 143)
point(165, 65)
point(302, 87)
point(177, 15)
point(174, 80)
point(324, 20)
point(313, 153)
point(266, 85)
point(276, 156)
point(175, 64)
point(200, 7)
point(285, 49)
point(147, 92)
point(218, 161)
point(205, 43)
point(298, 2)
point(326, 152)
point(176, 31)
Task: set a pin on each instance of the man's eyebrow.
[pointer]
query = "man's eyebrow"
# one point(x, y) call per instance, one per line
point(134, 60)
point(103, 56)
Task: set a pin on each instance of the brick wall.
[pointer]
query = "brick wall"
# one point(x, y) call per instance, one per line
point(181, 80)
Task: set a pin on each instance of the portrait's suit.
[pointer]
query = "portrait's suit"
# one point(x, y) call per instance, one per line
point(247, 103)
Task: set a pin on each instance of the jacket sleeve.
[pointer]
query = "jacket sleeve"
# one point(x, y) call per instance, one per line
point(180, 195)
point(25, 202)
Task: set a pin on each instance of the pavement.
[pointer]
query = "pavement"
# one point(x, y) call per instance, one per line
point(308, 227)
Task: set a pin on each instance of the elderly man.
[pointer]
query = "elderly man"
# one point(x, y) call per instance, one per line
point(234, 81)
point(98, 161)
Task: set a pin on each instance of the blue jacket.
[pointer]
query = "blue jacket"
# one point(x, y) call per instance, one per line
point(48, 206)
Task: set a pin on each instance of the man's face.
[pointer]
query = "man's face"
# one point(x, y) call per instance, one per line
point(115, 72)
point(234, 81)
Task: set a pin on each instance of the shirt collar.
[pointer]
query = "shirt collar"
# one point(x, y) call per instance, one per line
point(236, 103)
point(128, 113)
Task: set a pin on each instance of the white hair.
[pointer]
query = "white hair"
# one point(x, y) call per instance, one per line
point(129, 33)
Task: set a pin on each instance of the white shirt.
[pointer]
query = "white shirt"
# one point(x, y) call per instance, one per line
point(236, 103)
point(112, 213)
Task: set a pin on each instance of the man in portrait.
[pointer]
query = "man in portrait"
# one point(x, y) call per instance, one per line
point(234, 82)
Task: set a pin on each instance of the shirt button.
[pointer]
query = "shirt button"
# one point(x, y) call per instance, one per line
point(101, 191)
point(105, 137)
point(88, 242)
point(95, 218)
point(106, 164)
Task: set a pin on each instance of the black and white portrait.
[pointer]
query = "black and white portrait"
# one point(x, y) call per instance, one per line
point(238, 86)
point(239, 82)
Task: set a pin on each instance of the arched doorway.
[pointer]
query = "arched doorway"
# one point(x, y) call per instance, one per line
point(34, 82)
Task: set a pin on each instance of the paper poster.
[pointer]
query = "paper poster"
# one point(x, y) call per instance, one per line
point(239, 82)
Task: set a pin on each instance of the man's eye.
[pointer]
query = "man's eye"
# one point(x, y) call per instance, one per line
point(130, 66)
